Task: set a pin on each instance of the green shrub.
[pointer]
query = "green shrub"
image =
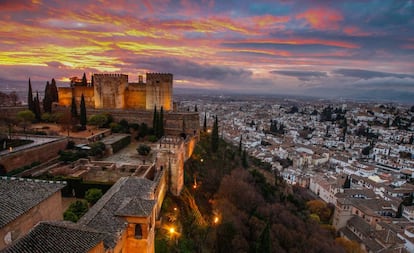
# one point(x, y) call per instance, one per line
point(152, 138)
point(70, 216)
point(144, 149)
point(93, 195)
point(115, 127)
point(70, 145)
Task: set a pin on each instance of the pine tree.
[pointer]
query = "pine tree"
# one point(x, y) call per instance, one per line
point(205, 123)
point(215, 136)
point(84, 80)
point(83, 112)
point(30, 98)
point(73, 109)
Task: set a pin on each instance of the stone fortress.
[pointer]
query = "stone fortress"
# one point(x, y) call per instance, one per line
point(113, 91)
point(126, 217)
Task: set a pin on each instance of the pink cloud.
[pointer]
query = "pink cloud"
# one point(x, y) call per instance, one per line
point(269, 21)
point(355, 31)
point(322, 18)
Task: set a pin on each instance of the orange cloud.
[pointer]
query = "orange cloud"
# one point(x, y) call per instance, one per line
point(322, 18)
point(268, 21)
point(300, 41)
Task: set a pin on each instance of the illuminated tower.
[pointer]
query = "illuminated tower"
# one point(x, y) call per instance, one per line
point(159, 91)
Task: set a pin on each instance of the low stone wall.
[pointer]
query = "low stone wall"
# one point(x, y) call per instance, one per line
point(39, 153)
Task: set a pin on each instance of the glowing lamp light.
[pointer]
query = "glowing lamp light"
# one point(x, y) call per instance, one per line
point(201, 160)
point(172, 230)
point(216, 220)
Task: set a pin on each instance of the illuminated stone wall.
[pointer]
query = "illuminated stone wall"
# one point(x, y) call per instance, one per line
point(88, 94)
point(135, 96)
point(65, 96)
point(109, 90)
point(112, 91)
point(159, 91)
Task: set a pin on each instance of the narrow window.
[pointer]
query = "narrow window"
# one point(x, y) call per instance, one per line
point(138, 231)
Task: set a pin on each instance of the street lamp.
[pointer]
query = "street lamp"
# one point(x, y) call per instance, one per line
point(173, 234)
point(172, 230)
point(216, 219)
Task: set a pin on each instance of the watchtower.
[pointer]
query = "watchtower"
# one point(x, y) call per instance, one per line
point(159, 91)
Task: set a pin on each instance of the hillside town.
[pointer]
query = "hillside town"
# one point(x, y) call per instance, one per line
point(358, 157)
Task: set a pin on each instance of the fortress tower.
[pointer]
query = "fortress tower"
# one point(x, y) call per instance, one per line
point(159, 91)
point(109, 90)
point(113, 91)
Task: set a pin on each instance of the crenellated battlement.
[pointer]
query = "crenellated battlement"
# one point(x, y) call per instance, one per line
point(165, 77)
point(110, 76)
point(113, 91)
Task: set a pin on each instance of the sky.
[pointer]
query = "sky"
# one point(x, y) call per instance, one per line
point(359, 48)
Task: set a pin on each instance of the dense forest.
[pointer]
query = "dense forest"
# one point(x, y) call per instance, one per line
point(228, 208)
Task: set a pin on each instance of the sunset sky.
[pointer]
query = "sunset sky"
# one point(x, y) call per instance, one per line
point(321, 47)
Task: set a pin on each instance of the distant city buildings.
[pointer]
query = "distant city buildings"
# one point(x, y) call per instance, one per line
point(322, 146)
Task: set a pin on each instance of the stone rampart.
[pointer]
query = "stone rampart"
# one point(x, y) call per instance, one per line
point(39, 153)
point(109, 90)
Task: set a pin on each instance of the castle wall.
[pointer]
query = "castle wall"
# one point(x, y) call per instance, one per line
point(159, 91)
point(88, 94)
point(135, 96)
point(175, 123)
point(40, 153)
point(65, 96)
point(109, 90)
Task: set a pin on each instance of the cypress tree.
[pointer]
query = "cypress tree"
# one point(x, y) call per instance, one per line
point(195, 108)
point(53, 91)
point(83, 112)
point(347, 183)
point(244, 159)
point(264, 244)
point(240, 144)
point(47, 100)
point(92, 80)
point(30, 98)
point(84, 80)
point(36, 103)
point(73, 109)
point(215, 136)
point(160, 124)
point(155, 121)
point(205, 123)
point(399, 210)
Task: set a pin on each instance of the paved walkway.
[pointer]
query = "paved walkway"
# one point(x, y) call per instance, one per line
point(129, 155)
